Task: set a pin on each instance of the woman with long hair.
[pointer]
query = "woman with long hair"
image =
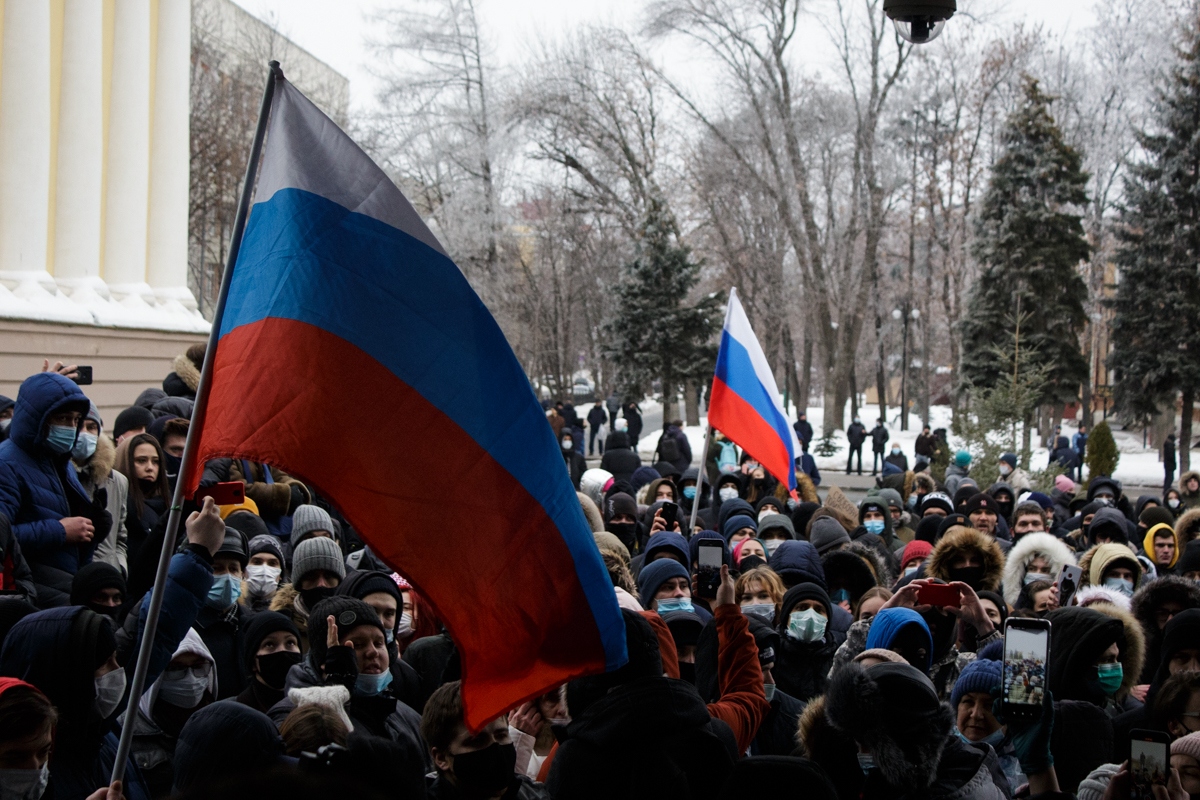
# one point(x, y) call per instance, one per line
point(140, 459)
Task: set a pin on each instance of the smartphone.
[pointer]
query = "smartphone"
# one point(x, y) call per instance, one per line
point(1149, 762)
point(1026, 654)
point(83, 376)
point(1068, 582)
point(232, 493)
point(669, 513)
point(708, 573)
point(938, 594)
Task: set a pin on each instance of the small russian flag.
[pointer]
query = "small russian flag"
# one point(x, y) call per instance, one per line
point(744, 403)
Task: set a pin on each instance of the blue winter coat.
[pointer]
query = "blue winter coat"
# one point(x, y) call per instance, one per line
point(39, 487)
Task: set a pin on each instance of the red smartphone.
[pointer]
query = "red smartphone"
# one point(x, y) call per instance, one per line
point(937, 594)
point(232, 493)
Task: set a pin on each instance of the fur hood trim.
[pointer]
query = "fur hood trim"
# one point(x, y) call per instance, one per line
point(1089, 596)
point(335, 698)
point(1133, 654)
point(284, 601)
point(906, 751)
point(879, 568)
point(100, 465)
point(805, 488)
point(186, 371)
point(1027, 548)
point(1187, 527)
point(1183, 480)
point(961, 540)
point(1158, 591)
point(814, 728)
point(1110, 554)
point(923, 483)
point(592, 512)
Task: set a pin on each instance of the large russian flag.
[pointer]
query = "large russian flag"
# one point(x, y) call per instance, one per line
point(354, 354)
point(744, 403)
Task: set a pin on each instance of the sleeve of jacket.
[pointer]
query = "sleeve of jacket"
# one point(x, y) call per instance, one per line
point(856, 642)
point(38, 537)
point(272, 499)
point(21, 572)
point(816, 473)
point(743, 704)
point(188, 582)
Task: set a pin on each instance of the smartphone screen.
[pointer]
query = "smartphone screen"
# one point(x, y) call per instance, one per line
point(1149, 765)
point(669, 514)
point(708, 577)
point(710, 555)
point(1025, 651)
point(1068, 582)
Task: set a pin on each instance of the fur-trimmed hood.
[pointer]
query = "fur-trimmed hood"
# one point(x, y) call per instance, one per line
point(1027, 548)
point(923, 483)
point(1187, 527)
point(1133, 653)
point(186, 371)
point(1183, 481)
point(1146, 601)
point(284, 601)
point(855, 568)
point(960, 540)
point(1088, 596)
point(1107, 554)
point(100, 466)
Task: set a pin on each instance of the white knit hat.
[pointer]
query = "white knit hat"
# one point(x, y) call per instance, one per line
point(1096, 783)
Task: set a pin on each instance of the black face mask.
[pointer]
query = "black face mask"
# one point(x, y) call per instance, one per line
point(273, 668)
point(751, 562)
point(485, 772)
point(687, 672)
point(1006, 508)
point(971, 576)
point(625, 531)
point(315, 595)
point(172, 464)
point(105, 611)
point(147, 486)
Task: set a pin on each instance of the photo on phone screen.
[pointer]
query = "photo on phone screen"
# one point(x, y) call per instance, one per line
point(1148, 767)
point(1025, 666)
point(1068, 582)
point(710, 555)
point(708, 576)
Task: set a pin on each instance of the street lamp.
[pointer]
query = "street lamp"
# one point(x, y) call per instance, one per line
point(914, 314)
point(919, 21)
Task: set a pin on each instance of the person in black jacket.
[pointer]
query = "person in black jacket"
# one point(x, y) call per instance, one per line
point(596, 419)
point(879, 440)
point(856, 434)
point(633, 416)
point(806, 643)
point(619, 458)
point(1168, 459)
point(804, 429)
point(575, 462)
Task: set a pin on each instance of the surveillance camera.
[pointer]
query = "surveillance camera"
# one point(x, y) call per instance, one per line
point(919, 21)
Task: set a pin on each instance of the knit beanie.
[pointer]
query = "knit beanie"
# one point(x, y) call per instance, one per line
point(259, 627)
point(776, 522)
point(915, 549)
point(937, 500)
point(1095, 785)
point(980, 675)
point(1187, 745)
point(1190, 560)
point(315, 554)
point(962, 458)
point(1156, 515)
point(266, 544)
point(619, 503)
point(1042, 500)
point(655, 574)
point(1064, 484)
point(927, 529)
point(736, 523)
point(249, 523)
point(977, 502)
point(803, 591)
point(951, 521)
point(1010, 459)
point(827, 533)
point(362, 583)
point(92, 578)
point(881, 654)
point(131, 419)
point(306, 519)
point(348, 612)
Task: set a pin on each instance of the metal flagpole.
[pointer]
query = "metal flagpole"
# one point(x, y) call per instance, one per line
point(193, 436)
point(699, 480)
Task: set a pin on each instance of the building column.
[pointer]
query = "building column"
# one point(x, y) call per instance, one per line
point(167, 270)
point(126, 196)
point(80, 178)
point(25, 147)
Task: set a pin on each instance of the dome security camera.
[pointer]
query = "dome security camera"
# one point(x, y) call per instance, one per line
point(919, 21)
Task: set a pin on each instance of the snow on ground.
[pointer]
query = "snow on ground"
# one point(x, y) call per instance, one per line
point(1138, 466)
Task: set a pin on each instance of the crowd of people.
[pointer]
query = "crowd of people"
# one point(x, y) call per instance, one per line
point(848, 650)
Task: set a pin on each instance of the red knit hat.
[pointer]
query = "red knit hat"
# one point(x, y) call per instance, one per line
point(915, 549)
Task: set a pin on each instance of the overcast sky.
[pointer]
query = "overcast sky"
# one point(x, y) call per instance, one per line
point(334, 30)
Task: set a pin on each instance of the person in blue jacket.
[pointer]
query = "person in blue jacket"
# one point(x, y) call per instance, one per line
point(54, 520)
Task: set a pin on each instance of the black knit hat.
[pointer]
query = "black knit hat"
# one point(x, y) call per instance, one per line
point(979, 502)
point(92, 578)
point(131, 419)
point(803, 591)
point(360, 583)
point(347, 612)
point(1190, 560)
point(248, 523)
point(260, 626)
point(948, 522)
point(927, 529)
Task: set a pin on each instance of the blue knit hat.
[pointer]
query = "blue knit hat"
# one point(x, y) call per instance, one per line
point(981, 675)
point(736, 523)
point(1042, 500)
point(672, 542)
point(655, 574)
point(962, 458)
point(886, 626)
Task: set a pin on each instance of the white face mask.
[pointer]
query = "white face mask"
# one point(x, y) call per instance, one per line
point(1005, 469)
point(405, 626)
point(772, 545)
point(262, 580)
point(185, 688)
point(110, 688)
point(24, 784)
point(727, 493)
point(766, 511)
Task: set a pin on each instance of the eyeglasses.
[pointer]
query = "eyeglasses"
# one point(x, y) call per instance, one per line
point(179, 673)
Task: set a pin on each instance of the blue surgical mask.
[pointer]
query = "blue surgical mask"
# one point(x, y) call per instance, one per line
point(874, 526)
point(1121, 585)
point(806, 626)
point(689, 492)
point(911, 570)
point(674, 604)
point(226, 589)
point(372, 684)
point(60, 438)
point(769, 691)
point(995, 738)
point(566, 444)
point(840, 596)
point(85, 445)
point(765, 611)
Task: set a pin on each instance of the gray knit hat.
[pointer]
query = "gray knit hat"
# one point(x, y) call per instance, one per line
point(317, 553)
point(827, 533)
point(1096, 783)
point(307, 519)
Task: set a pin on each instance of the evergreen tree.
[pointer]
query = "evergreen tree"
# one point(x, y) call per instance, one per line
point(654, 334)
point(1156, 323)
point(1030, 241)
point(1102, 454)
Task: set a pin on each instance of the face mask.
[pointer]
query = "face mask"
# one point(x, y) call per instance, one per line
point(866, 762)
point(110, 688)
point(857, 421)
point(310, 597)
point(841, 596)
point(806, 626)
point(772, 545)
point(262, 580)
point(767, 511)
point(728, 493)
point(971, 576)
point(405, 626)
point(674, 604)
point(1005, 469)
point(764, 611)
point(60, 439)
point(689, 492)
point(486, 772)
point(769, 691)
point(24, 784)
point(995, 738)
point(911, 570)
point(186, 690)
point(225, 590)
point(1121, 585)
point(372, 685)
point(1030, 577)
point(171, 464)
point(687, 672)
point(895, 451)
point(389, 636)
point(1110, 677)
point(566, 444)
point(274, 667)
point(874, 526)
point(85, 445)
point(4, 423)
point(1173, 502)
point(625, 531)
